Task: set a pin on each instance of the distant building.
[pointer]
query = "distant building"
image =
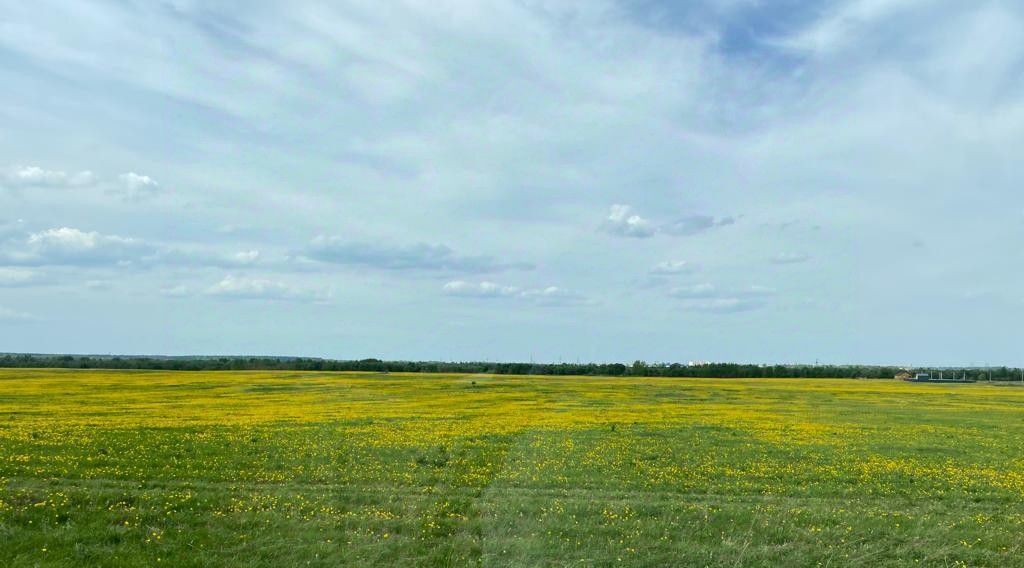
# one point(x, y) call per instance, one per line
point(903, 376)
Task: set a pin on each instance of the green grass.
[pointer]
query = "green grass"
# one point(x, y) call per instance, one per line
point(103, 468)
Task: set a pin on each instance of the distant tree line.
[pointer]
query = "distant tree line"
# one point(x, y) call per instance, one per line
point(637, 368)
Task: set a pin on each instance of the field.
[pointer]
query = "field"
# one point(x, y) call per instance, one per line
point(103, 468)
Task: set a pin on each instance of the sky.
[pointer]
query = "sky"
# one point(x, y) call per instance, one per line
point(730, 180)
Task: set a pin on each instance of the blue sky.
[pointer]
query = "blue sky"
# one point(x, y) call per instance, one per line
point(734, 180)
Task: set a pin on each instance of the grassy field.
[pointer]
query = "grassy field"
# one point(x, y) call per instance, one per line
point(317, 469)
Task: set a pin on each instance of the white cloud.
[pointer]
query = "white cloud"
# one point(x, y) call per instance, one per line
point(622, 222)
point(66, 238)
point(547, 296)
point(555, 296)
point(130, 185)
point(232, 287)
point(35, 176)
point(694, 224)
point(70, 246)
point(205, 257)
point(67, 246)
point(421, 256)
point(247, 256)
point(479, 289)
point(137, 186)
point(671, 267)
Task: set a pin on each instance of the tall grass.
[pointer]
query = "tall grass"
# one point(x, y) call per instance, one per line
point(117, 468)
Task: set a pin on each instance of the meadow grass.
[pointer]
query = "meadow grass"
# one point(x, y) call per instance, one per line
point(147, 468)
